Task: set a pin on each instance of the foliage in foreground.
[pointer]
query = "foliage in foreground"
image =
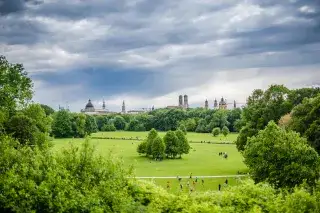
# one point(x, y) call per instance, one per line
point(75, 180)
point(247, 197)
point(78, 180)
point(282, 158)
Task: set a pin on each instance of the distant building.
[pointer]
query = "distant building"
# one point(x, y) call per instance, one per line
point(206, 104)
point(134, 112)
point(123, 109)
point(139, 111)
point(182, 103)
point(90, 110)
point(185, 102)
point(223, 103)
point(215, 104)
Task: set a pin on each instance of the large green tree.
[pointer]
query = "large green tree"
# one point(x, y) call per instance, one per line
point(90, 125)
point(305, 119)
point(79, 125)
point(119, 122)
point(150, 138)
point(22, 128)
point(183, 144)
point(15, 86)
point(262, 107)
point(219, 119)
point(281, 158)
point(62, 124)
point(171, 141)
point(39, 117)
point(158, 148)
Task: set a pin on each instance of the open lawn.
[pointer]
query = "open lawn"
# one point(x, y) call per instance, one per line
point(203, 159)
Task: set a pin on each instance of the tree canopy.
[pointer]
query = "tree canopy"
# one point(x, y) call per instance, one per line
point(305, 119)
point(282, 158)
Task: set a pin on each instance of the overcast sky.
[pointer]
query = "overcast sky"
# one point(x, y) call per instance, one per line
point(147, 52)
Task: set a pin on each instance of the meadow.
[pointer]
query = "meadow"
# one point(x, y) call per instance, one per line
point(203, 159)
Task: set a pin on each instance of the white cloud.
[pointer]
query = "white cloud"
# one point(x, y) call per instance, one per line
point(307, 9)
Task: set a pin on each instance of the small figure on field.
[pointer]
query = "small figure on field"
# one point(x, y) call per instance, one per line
point(202, 182)
point(219, 186)
point(168, 185)
point(181, 186)
point(191, 175)
point(196, 179)
point(226, 181)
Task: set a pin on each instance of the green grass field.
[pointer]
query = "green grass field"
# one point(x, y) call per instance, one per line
point(202, 160)
point(191, 136)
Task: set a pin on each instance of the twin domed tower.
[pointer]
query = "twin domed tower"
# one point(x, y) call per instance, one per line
point(183, 101)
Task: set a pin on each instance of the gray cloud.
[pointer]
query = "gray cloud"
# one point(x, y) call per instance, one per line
point(185, 43)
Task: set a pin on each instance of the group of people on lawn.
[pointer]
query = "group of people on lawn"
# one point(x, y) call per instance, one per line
point(192, 187)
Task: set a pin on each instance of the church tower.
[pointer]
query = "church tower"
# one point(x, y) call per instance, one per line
point(234, 104)
point(104, 105)
point(215, 103)
point(206, 104)
point(180, 101)
point(185, 103)
point(223, 103)
point(123, 108)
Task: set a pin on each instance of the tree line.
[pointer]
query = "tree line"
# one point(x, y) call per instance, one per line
point(191, 120)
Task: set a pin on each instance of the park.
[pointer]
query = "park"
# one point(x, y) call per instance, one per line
point(203, 159)
point(263, 157)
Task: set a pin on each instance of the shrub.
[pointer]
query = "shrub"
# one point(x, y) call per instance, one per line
point(216, 131)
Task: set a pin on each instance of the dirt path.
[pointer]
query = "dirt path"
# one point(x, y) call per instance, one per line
point(193, 176)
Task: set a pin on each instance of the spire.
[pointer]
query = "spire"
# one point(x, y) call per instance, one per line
point(215, 103)
point(206, 104)
point(123, 107)
point(234, 104)
point(104, 105)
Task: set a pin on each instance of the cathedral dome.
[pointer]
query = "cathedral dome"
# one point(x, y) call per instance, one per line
point(89, 104)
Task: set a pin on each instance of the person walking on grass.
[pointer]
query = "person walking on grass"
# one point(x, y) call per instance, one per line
point(168, 185)
point(191, 175)
point(202, 182)
point(226, 181)
point(219, 187)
